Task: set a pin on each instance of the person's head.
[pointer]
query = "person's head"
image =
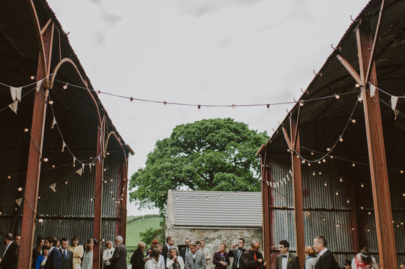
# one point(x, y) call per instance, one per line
point(17, 239)
point(310, 251)
point(119, 240)
point(255, 246)
point(347, 264)
point(202, 244)
point(45, 251)
point(320, 243)
point(187, 242)
point(89, 245)
point(193, 247)
point(155, 254)
point(109, 244)
point(170, 240)
point(402, 265)
point(241, 242)
point(365, 256)
point(8, 239)
point(56, 242)
point(40, 242)
point(75, 241)
point(198, 243)
point(141, 246)
point(173, 253)
point(222, 247)
point(64, 243)
point(154, 243)
point(51, 242)
point(284, 246)
point(47, 243)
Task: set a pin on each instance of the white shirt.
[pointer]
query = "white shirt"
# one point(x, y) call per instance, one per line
point(152, 264)
point(194, 255)
point(284, 261)
point(169, 263)
point(161, 262)
point(107, 255)
point(322, 252)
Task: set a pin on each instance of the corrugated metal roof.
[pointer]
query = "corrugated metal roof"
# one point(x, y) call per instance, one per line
point(216, 209)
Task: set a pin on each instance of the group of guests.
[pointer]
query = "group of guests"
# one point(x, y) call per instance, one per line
point(194, 255)
point(52, 253)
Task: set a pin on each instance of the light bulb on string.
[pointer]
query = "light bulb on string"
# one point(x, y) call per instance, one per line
point(325, 184)
point(348, 201)
point(362, 207)
point(303, 161)
point(50, 102)
point(301, 103)
point(340, 179)
point(328, 149)
point(313, 173)
point(340, 139)
point(337, 193)
point(319, 162)
point(362, 185)
point(312, 153)
point(65, 86)
point(309, 164)
point(353, 164)
point(199, 107)
point(337, 96)
point(233, 106)
point(331, 156)
point(32, 77)
point(20, 189)
point(8, 177)
point(354, 121)
point(324, 160)
point(320, 173)
point(402, 171)
point(26, 130)
point(268, 106)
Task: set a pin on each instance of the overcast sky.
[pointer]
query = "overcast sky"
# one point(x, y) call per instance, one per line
point(200, 51)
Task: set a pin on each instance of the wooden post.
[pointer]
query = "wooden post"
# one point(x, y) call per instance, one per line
point(297, 192)
point(35, 152)
point(266, 232)
point(98, 197)
point(124, 186)
point(376, 152)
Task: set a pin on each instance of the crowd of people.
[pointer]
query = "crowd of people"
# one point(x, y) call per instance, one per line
point(52, 253)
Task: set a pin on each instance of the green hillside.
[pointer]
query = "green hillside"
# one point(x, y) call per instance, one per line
point(136, 225)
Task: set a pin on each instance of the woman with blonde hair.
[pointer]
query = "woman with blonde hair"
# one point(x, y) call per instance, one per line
point(310, 258)
point(174, 261)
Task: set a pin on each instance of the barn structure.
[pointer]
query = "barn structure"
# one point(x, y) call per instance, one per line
point(214, 216)
point(63, 165)
point(343, 144)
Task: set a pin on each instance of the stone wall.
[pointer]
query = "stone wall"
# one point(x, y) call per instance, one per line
point(214, 237)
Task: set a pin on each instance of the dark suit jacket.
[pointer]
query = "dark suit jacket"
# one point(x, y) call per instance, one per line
point(183, 251)
point(248, 260)
point(67, 263)
point(292, 263)
point(217, 259)
point(54, 260)
point(10, 257)
point(137, 260)
point(234, 253)
point(165, 251)
point(326, 261)
point(119, 258)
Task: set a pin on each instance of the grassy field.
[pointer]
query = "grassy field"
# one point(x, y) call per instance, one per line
point(136, 225)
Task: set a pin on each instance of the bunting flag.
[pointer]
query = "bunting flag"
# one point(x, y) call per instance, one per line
point(38, 87)
point(394, 101)
point(63, 146)
point(53, 122)
point(372, 90)
point(79, 171)
point(14, 106)
point(90, 167)
point(53, 187)
point(16, 93)
point(74, 161)
point(396, 113)
point(18, 201)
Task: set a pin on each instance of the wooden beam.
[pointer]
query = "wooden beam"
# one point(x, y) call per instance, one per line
point(266, 232)
point(297, 193)
point(350, 69)
point(287, 139)
point(376, 152)
point(98, 196)
point(123, 216)
point(35, 154)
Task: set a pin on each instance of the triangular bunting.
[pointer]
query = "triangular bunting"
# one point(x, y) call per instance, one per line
point(38, 87)
point(63, 146)
point(53, 122)
point(14, 106)
point(372, 90)
point(79, 171)
point(18, 201)
point(53, 187)
point(268, 183)
point(396, 113)
point(394, 101)
point(16, 93)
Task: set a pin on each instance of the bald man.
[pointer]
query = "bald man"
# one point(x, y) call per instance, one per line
point(138, 259)
point(253, 258)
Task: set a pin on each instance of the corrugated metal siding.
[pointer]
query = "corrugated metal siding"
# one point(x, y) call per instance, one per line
point(209, 208)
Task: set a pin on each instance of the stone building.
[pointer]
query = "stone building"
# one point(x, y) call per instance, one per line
point(214, 216)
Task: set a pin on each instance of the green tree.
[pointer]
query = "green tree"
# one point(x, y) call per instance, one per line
point(213, 154)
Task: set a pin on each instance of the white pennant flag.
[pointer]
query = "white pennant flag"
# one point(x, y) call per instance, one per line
point(74, 161)
point(372, 90)
point(90, 167)
point(394, 101)
point(277, 185)
point(63, 146)
point(16, 93)
point(396, 113)
point(14, 106)
point(38, 87)
point(19, 201)
point(285, 181)
point(53, 187)
point(53, 123)
point(268, 183)
point(79, 171)
point(272, 185)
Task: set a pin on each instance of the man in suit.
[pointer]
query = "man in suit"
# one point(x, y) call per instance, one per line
point(9, 257)
point(119, 258)
point(185, 250)
point(54, 260)
point(67, 255)
point(326, 259)
point(253, 258)
point(236, 253)
point(166, 248)
point(286, 260)
point(138, 258)
point(194, 259)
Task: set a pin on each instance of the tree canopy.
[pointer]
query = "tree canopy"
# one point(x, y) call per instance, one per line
point(212, 154)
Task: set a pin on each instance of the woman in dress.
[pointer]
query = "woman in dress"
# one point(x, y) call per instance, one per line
point(107, 254)
point(310, 259)
point(221, 258)
point(77, 252)
point(41, 259)
point(153, 262)
point(88, 255)
point(174, 261)
point(364, 260)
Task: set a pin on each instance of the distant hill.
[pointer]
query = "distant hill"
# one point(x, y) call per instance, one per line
point(138, 224)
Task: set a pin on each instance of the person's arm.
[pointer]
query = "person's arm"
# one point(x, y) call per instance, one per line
point(181, 262)
point(186, 264)
point(79, 251)
point(105, 255)
point(228, 261)
point(216, 259)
